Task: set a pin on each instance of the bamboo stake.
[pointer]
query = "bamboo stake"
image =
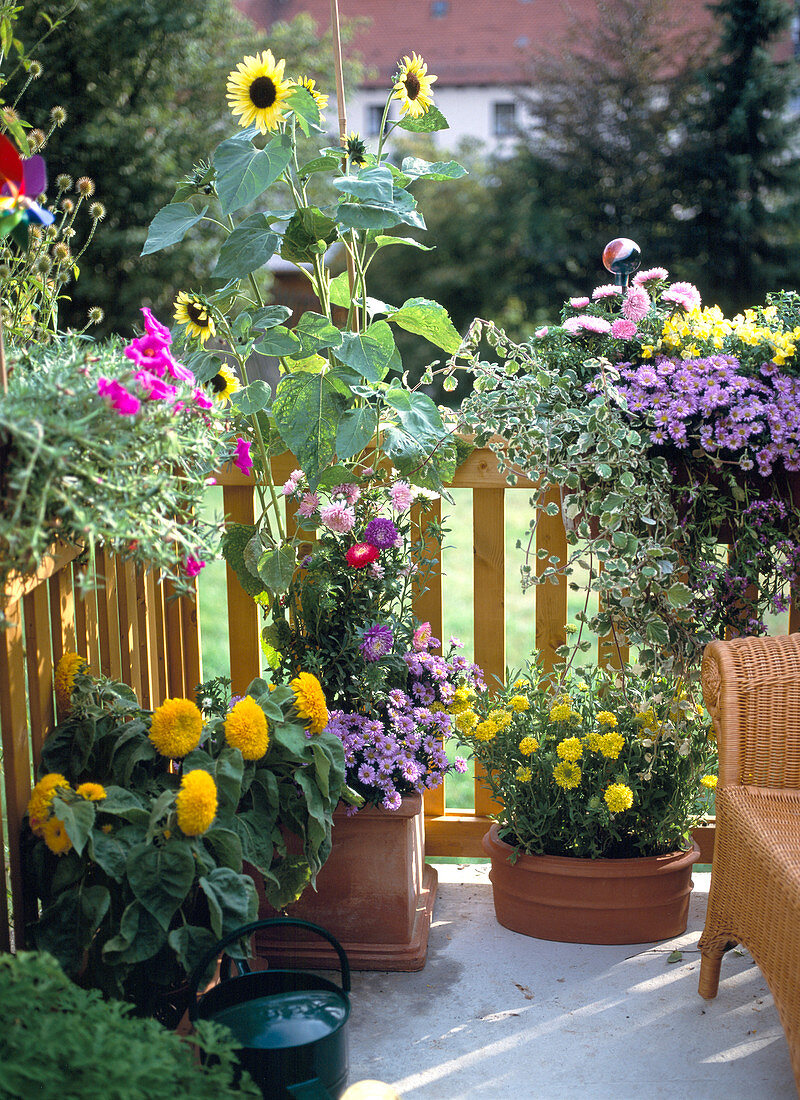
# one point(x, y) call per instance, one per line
point(3, 372)
point(336, 37)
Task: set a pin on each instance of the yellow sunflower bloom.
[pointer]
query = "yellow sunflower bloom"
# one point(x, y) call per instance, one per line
point(413, 87)
point(257, 91)
point(485, 730)
point(68, 667)
point(466, 721)
point(500, 717)
point(55, 837)
point(310, 85)
point(246, 729)
point(524, 775)
point(41, 797)
point(196, 802)
point(618, 798)
point(92, 792)
point(519, 702)
point(560, 712)
point(606, 718)
point(190, 311)
point(176, 727)
point(310, 701)
point(223, 385)
point(567, 775)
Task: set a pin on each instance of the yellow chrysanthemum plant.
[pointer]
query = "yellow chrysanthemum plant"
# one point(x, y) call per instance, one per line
point(591, 762)
point(274, 191)
point(146, 828)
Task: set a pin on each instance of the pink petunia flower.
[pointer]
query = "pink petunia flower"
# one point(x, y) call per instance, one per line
point(155, 388)
point(650, 275)
point(308, 505)
point(149, 352)
point(337, 518)
point(192, 566)
point(119, 398)
point(685, 295)
point(402, 496)
point(607, 290)
point(178, 370)
point(243, 460)
point(153, 327)
point(636, 305)
point(623, 329)
point(202, 400)
point(579, 303)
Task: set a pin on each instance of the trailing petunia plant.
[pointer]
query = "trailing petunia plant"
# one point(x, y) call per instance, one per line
point(141, 823)
point(668, 438)
point(342, 389)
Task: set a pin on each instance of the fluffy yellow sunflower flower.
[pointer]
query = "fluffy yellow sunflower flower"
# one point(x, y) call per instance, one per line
point(92, 792)
point(466, 721)
point(560, 712)
point(196, 802)
point(567, 775)
point(309, 701)
point(257, 91)
point(55, 836)
point(500, 717)
point(68, 667)
point(190, 311)
point(618, 797)
point(606, 718)
point(413, 87)
point(176, 727)
point(519, 702)
point(223, 384)
point(246, 729)
point(41, 796)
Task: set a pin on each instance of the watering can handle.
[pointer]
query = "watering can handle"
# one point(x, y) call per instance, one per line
point(248, 930)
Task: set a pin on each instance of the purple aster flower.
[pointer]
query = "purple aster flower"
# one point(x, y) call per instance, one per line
point(381, 532)
point(378, 641)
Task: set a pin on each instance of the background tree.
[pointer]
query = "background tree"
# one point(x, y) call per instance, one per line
point(143, 85)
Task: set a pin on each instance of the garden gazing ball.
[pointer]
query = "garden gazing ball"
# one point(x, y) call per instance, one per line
point(622, 257)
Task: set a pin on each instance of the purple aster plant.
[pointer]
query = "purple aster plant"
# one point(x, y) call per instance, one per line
point(378, 641)
point(381, 532)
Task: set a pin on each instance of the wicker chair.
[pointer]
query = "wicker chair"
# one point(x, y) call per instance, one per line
point(751, 688)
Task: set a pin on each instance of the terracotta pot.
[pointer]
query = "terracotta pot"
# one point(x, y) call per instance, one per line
point(591, 900)
point(375, 893)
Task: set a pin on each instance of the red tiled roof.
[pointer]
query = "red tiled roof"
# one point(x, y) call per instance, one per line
point(475, 42)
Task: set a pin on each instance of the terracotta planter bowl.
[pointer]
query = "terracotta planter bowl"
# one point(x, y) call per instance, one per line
point(591, 900)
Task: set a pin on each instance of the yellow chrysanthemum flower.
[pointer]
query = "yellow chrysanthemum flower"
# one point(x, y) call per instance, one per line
point(519, 702)
point(190, 311)
point(55, 836)
point(196, 802)
point(461, 700)
point(709, 782)
point(223, 385)
point(176, 727)
point(528, 745)
point(560, 712)
point(611, 745)
point(310, 701)
point(413, 87)
point(567, 775)
point(466, 721)
point(246, 729)
point(41, 797)
point(606, 718)
point(524, 775)
point(570, 749)
point(618, 797)
point(500, 717)
point(310, 85)
point(485, 730)
point(92, 792)
point(68, 667)
point(257, 91)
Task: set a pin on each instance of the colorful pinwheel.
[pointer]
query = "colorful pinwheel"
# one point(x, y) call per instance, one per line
point(20, 180)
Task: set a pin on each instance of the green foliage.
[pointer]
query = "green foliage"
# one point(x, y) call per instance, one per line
point(611, 766)
point(134, 886)
point(74, 467)
point(60, 1042)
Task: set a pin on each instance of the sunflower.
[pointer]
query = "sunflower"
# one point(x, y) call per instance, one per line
point(41, 796)
point(246, 729)
point(413, 87)
point(257, 90)
point(68, 667)
point(223, 384)
point(190, 311)
point(176, 727)
point(196, 802)
point(92, 792)
point(55, 836)
point(309, 84)
point(355, 148)
point(309, 701)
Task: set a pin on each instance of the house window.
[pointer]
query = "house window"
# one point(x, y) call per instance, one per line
point(505, 119)
point(439, 8)
point(374, 116)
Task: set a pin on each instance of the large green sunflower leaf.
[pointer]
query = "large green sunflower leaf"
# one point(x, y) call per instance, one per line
point(244, 172)
point(278, 341)
point(432, 120)
point(161, 877)
point(370, 185)
point(305, 108)
point(247, 249)
point(307, 235)
point(356, 429)
point(307, 409)
point(316, 333)
point(415, 169)
point(170, 225)
point(428, 319)
point(269, 316)
point(370, 353)
point(382, 241)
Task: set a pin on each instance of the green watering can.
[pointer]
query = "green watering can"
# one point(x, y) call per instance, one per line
point(291, 1023)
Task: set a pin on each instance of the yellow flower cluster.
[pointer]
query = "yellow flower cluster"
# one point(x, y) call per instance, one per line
point(68, 667)
point(176, 727)
point(41, 797)
point(570, 749)
point(648, 722)
point(611, 745)
point(702, 331)
point(466, 721)
point(618, 798)
point(246, 729)
point(528, 745)
point(500, 717)
point(485, 730)
point(567, 775)
point(309, 701)
point(524, 775)
point(461, 700)
point(43, 821)
point(519, 702)
point(561, 712)
point(196, 802)
point(606, 718)
point(92, 792)
point(709, 782)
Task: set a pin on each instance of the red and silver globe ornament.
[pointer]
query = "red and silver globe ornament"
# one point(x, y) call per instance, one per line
point(622, 257)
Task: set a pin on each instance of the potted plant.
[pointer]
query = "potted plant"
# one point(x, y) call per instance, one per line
point(600, 775)
point(140, 822)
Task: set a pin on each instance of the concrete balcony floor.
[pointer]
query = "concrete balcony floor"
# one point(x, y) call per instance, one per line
point(499, 1016)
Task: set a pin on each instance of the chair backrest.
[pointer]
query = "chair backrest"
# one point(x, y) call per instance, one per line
point(751, 688)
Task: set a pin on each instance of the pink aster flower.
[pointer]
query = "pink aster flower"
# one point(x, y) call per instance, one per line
point(636, 304)
point(607, 290)
point(585, 322)
point(291, 483)
point(650, 275)
point(153, 327)
point(338, 518)
point(402, 496)
point(361, 554)
point(119, 398)
point(243, 460)
point(422, 635)
point(685, 295)
point(351, 492)
point(579, 303)
point(308, 505)
point(541, 332)
point(622, 329)
point(155, 389)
